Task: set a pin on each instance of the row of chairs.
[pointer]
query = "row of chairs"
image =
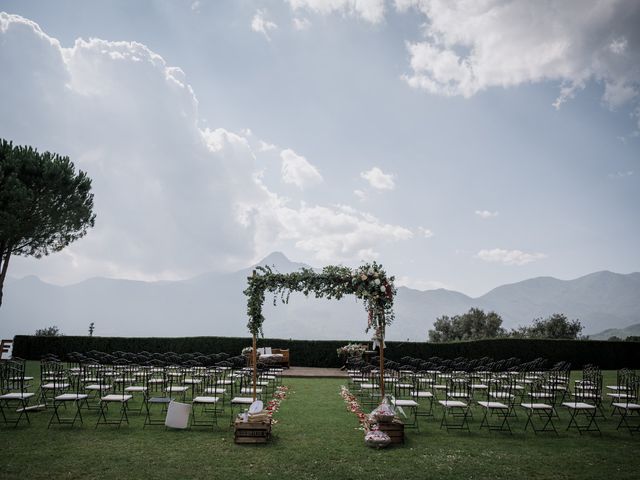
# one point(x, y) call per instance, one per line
point(498, 393)
point(84, 383)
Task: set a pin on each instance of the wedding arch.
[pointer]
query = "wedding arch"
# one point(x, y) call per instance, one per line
point(368, 283)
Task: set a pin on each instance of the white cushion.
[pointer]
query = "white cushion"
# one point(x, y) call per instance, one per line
point(536, 406)
point(205, 400)
point(492, 405)
point(52, 386)
point(242, 400)
point(116, 398)
point(405, 403)
point(70, 396)
point(16, 396)
point(422, 394)
point(452, 404)
point(579, 405)
point(629, 406)
point(135, 389)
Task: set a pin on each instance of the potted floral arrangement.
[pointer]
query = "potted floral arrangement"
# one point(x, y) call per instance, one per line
point(351, 350)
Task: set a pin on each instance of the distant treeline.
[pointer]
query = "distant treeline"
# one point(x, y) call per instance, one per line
point(322, 353)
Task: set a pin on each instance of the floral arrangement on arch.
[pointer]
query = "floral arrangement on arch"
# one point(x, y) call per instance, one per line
point(368, 283)
point(352, 350)
point(246, 351)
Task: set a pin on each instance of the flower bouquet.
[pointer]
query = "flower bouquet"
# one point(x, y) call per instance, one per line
point(351, 350)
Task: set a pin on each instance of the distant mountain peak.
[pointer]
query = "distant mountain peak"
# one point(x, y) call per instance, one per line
point(275, 258)
point(280, 263)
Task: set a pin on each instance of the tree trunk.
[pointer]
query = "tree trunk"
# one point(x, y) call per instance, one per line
point(5, 255)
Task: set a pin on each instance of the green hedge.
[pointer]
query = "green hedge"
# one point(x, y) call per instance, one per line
point(322, 353)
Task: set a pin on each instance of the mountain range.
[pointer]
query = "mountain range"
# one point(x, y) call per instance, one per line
point(214, 304)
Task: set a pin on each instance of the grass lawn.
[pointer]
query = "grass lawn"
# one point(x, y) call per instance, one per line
point(316, 437)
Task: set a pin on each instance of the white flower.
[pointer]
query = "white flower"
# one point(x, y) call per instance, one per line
point(382, 289)
point(370, 272)
point(377, 281)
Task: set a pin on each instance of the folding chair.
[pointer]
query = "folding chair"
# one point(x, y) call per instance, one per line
point(491, 406)
point(456, 404)
point(75, 398)
point(20, 398)
point(629, 405)
point(118, 397)
point(544, 411)
point(206, 404)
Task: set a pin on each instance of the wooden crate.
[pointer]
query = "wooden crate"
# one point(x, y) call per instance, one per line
point(252, 432)
point(394, 429)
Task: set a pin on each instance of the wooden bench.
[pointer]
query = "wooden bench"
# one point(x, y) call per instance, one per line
point(285, 356)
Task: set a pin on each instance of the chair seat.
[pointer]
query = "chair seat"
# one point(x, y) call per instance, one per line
point(369, 386)
point(176, 389)
point(627, 406)
point(242, 400)
point(492, 405)
point(206, 400)
point(53, 386)
point(159, 400)
point(67, 397)
point(479, 386)
point(422, 394)
point(135, 388)
point(619, 395)
point(116, 398)
point(97, 387)
point(217, 390)
point(578, 405)
point(452, 404)
point(405, 403)
point(536, 406)
point(16, 396)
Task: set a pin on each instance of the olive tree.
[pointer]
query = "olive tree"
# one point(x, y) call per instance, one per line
point(44, 204)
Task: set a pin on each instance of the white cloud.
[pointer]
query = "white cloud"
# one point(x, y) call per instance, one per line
point(260, 24)
point(332, 234)
point(301, 23)
point(360, 195)
point(265, 146)
point(378, 179)
point(195, 6)
point(471, 46)
point(297, 170)
point(372, 11)
point(509, 257)
point(425, 232)
point(486, 214)
point(172, 200)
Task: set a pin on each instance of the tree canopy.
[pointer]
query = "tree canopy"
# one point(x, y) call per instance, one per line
point(44, 204)
point(473, 325)
point(554, 326)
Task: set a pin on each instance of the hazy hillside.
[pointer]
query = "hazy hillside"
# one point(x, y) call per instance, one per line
point(630, 331)
point(213, 304)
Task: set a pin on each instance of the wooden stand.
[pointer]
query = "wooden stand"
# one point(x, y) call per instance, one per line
point(394, 429)
point(252, 432)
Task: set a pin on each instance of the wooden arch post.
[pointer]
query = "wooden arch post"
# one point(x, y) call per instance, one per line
point(380, 335)
point(254, 355)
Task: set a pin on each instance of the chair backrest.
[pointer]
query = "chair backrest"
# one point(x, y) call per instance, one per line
point(178, 415)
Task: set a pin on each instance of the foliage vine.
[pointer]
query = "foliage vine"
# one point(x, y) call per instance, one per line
point(368, 283)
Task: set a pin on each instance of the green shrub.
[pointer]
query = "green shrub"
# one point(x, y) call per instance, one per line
point(322, 353)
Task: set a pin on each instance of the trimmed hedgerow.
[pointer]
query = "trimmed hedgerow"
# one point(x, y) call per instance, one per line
point(322, 353)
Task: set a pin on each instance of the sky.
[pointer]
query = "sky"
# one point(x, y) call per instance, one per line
point(463, 145)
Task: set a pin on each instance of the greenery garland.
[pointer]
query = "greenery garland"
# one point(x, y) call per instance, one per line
point(369, 283)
